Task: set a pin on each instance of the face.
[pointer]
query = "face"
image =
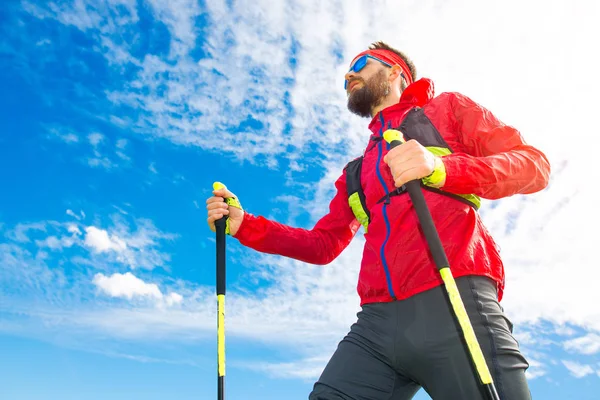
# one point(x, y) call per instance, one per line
point(367, 89)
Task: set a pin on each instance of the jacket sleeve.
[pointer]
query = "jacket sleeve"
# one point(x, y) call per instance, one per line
point(319, 245)
point(497, 162)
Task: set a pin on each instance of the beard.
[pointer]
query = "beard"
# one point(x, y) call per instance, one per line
point(375, 89)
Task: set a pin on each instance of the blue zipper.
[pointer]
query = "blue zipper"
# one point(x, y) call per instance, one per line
point(385, 216)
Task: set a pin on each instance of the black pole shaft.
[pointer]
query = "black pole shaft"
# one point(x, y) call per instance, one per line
point(220, 227)
point(221, 241)
point(435, 244)
point(431, 235)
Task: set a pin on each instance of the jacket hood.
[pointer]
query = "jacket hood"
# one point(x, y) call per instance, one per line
point(416, 94)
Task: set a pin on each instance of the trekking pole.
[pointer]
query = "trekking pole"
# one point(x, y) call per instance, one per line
point(220, 226)
point(441, 261)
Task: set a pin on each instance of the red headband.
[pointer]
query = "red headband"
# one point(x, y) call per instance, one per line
point(391, 58)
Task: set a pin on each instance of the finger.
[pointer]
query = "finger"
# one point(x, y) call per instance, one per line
point(403, 152)
point(406, 176)
point(409, 159)
point(217, 205)
point(220, 211)
point(214, 198)
point(224, 192)
point(211, 224)
point(399, 167)
point(216, 216)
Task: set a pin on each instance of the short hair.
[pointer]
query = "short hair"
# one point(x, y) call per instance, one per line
point(404, 57)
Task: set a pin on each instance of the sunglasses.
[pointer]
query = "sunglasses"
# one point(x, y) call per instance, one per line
point(360, 64)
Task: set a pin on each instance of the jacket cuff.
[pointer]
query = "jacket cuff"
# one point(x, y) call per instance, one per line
point(242, 231)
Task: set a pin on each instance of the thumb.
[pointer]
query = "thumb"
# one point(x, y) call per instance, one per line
point(231, 199)
point(220, 189)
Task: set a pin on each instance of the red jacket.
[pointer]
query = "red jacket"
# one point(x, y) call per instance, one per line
point(489, 159)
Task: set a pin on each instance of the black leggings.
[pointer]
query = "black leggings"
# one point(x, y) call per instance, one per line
point(396, 348)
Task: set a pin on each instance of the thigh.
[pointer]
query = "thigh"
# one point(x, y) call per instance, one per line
point(451, 374)
point(360, 367)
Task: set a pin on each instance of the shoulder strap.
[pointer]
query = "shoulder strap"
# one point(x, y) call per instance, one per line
point(356, 197)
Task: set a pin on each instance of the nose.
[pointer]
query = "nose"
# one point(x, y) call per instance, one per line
point(349, 75)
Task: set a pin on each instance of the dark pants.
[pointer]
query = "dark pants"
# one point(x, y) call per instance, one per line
point(396, 348)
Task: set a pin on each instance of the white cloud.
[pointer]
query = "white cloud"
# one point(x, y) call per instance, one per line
point(102, 162)
point(21, 232)
point(536, 369)
point(173, 298)
point(100, 241)
point(578, 370)
point(130, 287)
point(305, 369)
point(74, 229)
point(136, 247)
point(589, 344)
point(126, 285)
point(95, 138)
point(72, 214)
point(121, 144)
point(56, 243)
point(67, 137)
point(179, 16)
point(509, 56)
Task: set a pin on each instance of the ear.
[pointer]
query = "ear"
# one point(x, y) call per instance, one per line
point(395, 73)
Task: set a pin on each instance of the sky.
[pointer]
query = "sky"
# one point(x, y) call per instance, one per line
point(116, 117)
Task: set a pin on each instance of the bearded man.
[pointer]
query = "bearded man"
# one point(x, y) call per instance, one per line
point(405, 337)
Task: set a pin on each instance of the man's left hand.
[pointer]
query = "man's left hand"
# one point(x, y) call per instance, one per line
point(410, 161)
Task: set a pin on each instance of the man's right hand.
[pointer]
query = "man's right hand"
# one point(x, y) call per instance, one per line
point(217, 208)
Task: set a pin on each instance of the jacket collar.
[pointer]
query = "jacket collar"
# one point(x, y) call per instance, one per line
point(417, 94)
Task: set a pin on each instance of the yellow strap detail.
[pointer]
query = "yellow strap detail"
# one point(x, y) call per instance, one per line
point(463, 319)
point(439, 172)
point(473, 199)
point(359, 211)
point(438, 175)
point(439, 151)
point(221, 333)
point(231, 202)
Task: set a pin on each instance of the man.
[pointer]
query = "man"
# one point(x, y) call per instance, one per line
point(406, 336)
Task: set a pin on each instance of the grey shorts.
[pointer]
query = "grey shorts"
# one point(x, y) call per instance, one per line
point(396, 348)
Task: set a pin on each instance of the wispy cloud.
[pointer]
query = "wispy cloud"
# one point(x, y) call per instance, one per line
point(106, 155)
point(95, 139)
point(66, 137)
point(77, 217)
point(578, 370)
point(588, 344)
point(263, 81)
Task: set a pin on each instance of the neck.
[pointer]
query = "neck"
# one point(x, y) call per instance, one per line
point(388, 101)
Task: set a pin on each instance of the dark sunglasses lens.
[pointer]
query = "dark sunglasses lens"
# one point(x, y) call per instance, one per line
point(359, 64)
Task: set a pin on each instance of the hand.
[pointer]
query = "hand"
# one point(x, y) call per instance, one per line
point(410, 161)
point(217, 208)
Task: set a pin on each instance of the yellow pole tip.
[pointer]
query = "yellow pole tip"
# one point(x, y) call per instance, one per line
point(391, 134)
point(218, 185)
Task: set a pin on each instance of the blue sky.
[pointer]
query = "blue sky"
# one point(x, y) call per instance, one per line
point(118, 115)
